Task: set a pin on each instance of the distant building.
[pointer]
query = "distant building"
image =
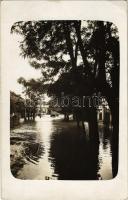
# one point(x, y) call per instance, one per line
point(42, 109)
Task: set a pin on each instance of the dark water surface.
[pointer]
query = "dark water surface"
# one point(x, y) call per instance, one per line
point(50, 148)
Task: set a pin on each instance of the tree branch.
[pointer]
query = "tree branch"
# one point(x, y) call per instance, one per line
point(81, 47)
point(69, 44)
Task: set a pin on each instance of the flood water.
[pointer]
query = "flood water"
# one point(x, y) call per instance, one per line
point(50, 149)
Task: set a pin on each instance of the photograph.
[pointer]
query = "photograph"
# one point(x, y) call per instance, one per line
point(64, 99)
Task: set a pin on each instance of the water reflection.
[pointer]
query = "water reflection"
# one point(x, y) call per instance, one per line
point(105, 153)
point(53, 149)
point(26, 147)
point(73, 157)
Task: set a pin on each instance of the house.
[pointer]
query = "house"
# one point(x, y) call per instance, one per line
point(104, 114)
point(42, 109)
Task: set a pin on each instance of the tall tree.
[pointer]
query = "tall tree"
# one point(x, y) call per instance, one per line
point(105, 43)
point(32, 90)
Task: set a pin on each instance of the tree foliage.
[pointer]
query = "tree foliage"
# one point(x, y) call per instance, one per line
point(74, 56)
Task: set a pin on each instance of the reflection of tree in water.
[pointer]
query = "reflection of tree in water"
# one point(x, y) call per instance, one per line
point(105, 135)
point(73, 157)
point(25, 151)
point(115, 154)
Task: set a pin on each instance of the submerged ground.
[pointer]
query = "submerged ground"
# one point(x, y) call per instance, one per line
point(50, 148)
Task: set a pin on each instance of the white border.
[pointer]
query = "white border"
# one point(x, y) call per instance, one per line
point(13, 189)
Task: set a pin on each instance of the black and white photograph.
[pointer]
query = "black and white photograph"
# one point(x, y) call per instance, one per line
point(65, 123)
point(63, 88)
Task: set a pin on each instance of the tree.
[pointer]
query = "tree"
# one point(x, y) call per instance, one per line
point(105, 42)
point(16, 103)
point(17, 108)
point(33, 90)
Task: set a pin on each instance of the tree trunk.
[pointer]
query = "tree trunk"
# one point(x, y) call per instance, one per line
point(28, 116)
point(33, 116)
point(70, 45)
point(81, 46)
point(115, 136)
point(93, 125)
point(24, 118)
point(66, 117)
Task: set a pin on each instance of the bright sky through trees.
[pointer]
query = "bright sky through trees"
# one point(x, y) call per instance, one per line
point(19, 66)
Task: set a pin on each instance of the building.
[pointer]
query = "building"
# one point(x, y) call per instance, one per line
point(42, 109)
point(104, 114)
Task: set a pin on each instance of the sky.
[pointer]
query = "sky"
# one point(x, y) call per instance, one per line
point(19, 67)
